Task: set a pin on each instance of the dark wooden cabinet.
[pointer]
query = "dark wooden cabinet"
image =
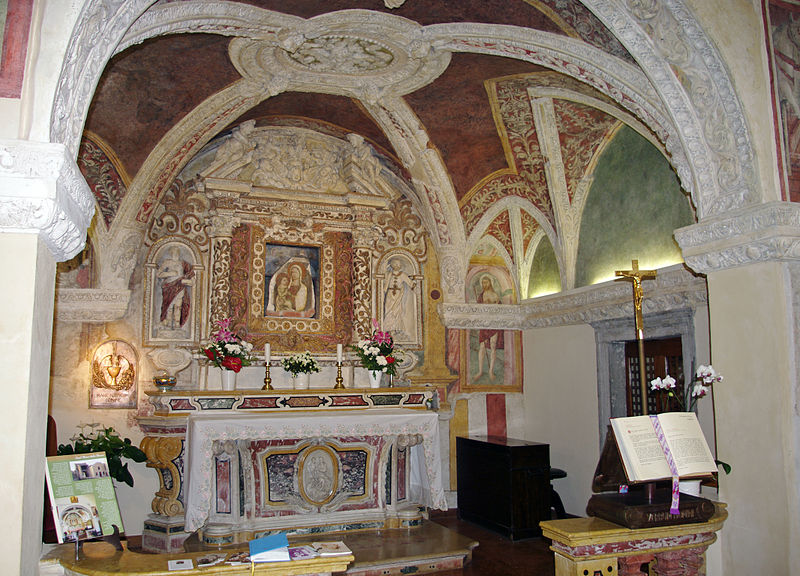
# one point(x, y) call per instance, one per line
point(504, 484)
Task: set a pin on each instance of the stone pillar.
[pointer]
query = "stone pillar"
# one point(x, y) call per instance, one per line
point(434, 370)
point(220, 232)
point(752, 261)
point(45, 209)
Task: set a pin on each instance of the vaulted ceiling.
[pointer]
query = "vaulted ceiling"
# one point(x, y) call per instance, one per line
point(514, 135)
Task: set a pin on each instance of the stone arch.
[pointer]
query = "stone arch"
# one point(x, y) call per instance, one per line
point(702, 125)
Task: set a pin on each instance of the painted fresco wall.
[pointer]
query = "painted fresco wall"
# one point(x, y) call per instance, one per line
point(212, 251)
point(634, 205)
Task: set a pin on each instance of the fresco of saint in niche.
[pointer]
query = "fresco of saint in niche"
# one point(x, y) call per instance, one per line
point(291, 276)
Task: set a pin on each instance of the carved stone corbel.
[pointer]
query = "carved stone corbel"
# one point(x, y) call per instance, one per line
point(162, 454)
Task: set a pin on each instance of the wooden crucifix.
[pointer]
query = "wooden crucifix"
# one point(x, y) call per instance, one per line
point(637, 276)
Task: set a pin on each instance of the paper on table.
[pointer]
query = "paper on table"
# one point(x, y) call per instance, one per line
point(331, 548)
point(182, 564)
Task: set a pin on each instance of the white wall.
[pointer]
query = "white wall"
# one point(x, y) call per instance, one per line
point(751, 339)
point(560, 399)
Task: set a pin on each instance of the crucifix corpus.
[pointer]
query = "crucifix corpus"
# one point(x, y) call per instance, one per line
point(637, 276)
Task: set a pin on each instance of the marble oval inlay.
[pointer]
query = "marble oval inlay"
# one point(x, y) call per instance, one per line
point(318, 475)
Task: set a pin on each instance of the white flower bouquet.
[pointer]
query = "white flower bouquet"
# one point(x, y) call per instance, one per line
point(300, 363)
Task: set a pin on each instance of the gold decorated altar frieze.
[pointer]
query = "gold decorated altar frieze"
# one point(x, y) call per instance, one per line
point(185, 402)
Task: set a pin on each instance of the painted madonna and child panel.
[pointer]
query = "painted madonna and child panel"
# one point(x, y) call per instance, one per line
point(291, 277)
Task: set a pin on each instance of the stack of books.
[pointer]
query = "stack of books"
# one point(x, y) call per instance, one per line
point(272, 548)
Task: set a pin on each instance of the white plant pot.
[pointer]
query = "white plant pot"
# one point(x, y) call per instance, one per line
point(301, 381)
point(375, 378)
point(228, 379)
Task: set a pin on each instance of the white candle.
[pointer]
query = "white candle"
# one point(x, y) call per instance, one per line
point(266, 353)
point(339, 353)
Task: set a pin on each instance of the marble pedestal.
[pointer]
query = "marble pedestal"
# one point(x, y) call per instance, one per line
point(591, 545)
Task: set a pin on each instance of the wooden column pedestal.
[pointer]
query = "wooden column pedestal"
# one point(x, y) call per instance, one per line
point(593, 546)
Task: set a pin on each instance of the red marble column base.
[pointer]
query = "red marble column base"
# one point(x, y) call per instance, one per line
point(632, 565)
point(687, 562)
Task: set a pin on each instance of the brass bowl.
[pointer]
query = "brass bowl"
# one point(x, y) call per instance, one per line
point(164, 383)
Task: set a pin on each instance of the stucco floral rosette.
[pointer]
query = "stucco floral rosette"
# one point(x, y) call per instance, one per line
point(425, 488)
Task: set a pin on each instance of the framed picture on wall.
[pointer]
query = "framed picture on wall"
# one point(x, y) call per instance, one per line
point(490, 358)
point(784, 26)
point(173, 293)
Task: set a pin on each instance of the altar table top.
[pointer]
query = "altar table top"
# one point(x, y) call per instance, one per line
point(204, 429)
point(100, 558)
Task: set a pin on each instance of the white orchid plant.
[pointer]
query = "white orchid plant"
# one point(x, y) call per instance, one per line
point(705, 377)
point(667, 388)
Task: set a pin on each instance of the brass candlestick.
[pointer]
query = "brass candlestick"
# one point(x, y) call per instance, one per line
point(339, 379)
point(267, 380)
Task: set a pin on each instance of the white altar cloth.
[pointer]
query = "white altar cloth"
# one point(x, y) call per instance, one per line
point(202, 430)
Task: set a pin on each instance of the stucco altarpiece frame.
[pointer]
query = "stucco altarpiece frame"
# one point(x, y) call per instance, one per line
point(256, 256)
point(399, 287)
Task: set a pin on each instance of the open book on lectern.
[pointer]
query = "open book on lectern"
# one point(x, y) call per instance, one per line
point(643, 456)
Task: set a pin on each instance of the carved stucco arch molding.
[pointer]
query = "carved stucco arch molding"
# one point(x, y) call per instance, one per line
point(102, 26)
point(711, 122)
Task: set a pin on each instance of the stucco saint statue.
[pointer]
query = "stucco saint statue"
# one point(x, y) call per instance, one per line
point(399, 302)
point(176, 276)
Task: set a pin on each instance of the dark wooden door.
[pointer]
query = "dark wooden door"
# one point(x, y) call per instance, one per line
point(661, 357)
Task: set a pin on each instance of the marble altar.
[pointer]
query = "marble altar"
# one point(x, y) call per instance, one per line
point(235, 465)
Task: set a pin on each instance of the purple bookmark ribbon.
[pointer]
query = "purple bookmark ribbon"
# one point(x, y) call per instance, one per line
point(675, 504)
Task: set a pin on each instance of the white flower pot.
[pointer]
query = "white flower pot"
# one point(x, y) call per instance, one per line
point(375, 378)
point(228, 379)
point(301, 380)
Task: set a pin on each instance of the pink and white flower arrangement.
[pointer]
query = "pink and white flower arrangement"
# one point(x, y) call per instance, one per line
point(376, 352)
point(226, 350)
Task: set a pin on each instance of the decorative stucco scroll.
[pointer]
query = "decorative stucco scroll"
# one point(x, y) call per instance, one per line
point(685, 67)
point(42, 191)
point(760, 233)
point(674, 288)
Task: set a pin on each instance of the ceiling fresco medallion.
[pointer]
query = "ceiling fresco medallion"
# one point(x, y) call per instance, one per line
point(341, 52)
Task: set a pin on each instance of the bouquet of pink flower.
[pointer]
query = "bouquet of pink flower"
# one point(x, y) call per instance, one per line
point(376, 352)
point(226, 349)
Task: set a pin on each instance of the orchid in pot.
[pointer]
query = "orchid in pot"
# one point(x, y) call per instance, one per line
point(686, 396)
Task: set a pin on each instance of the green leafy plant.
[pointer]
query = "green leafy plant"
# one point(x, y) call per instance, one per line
point(102, 439)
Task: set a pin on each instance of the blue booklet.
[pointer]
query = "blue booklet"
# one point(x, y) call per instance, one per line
point(273, 548)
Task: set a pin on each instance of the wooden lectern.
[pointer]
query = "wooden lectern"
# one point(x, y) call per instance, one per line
point(638, 507)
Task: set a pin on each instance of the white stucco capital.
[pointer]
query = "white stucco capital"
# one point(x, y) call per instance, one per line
point(757, 233)
point(42, 191)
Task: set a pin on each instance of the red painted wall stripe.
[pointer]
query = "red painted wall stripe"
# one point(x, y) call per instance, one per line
point(496, 415)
